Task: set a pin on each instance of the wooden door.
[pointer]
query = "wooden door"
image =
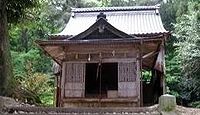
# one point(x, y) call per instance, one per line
point(74, 80)
point(127, 78)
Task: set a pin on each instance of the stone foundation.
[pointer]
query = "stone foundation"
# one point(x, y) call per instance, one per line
point(101, 102)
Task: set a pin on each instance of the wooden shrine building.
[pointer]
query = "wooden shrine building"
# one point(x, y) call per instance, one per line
point(103, 52)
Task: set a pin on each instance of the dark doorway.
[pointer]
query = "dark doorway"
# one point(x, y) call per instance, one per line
point(152, 87)
point(100, 78)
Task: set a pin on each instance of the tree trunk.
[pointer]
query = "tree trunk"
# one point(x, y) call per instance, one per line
point(5, 56)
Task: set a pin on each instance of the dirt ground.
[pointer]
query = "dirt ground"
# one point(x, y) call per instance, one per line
point(153, 110)
point(187, 111)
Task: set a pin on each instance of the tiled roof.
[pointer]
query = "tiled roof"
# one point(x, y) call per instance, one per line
point(137, 20)
point(107, 9)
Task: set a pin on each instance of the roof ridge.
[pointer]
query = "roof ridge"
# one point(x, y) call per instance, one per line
point(107, 9)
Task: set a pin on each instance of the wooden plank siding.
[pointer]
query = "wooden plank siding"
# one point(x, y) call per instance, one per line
point(127, 75)
point(74, 80)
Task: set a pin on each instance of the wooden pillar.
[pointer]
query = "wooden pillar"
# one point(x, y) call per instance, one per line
point(139, 82)
point(164, 69)
point(163, 83)
point(1, 62)
point(62, 85)
point(57, 90)
point(140, 62)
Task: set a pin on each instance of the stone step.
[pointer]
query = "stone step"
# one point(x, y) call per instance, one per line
point(84, 111)
point(94, 113)
point(106, 113)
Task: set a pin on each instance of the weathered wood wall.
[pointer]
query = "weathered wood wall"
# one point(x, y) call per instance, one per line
point(75, 80)
point(127, 74)
point(74, 69)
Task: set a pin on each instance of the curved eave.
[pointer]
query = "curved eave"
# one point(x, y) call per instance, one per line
point(143, 36)
point(95, 41)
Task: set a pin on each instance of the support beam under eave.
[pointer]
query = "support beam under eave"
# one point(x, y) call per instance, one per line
point(140, 62)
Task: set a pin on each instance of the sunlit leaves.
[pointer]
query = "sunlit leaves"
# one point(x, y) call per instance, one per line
point(32, 74)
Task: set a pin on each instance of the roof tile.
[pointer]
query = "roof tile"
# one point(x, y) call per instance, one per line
point(107, 9)
point(130, 20)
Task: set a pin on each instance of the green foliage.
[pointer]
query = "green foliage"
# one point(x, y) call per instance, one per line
point(17, 9)
point(40, 84)
point(122, 3)
point(146, 76)
point(34, 88)
point(106, 3)
point(148, 2)
point(173, 15)
point(195, 104)
point(29, 71)
point(32, 69)
point(39, 62)
point(173, 73)
point(188, 36)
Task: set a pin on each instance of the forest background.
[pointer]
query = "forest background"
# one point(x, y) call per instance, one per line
point(32, 80)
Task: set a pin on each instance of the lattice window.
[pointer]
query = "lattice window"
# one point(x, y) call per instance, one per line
point(127, 72)
point(74, 72)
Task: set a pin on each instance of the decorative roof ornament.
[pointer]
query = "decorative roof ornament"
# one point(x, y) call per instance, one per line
point(101, 26)
point(101, 15)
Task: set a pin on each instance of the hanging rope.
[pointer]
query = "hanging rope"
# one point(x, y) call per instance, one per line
point(98, 75)
point(99, 66)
